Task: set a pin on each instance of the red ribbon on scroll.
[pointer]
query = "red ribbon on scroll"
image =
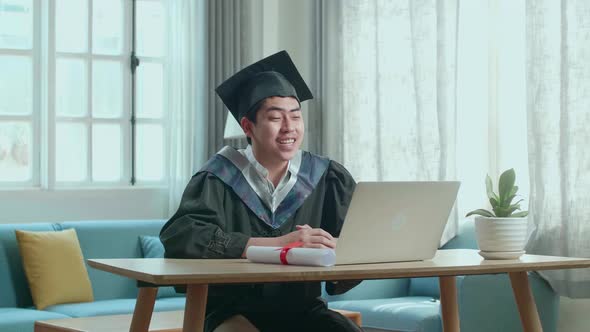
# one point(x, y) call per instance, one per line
point(284, 250)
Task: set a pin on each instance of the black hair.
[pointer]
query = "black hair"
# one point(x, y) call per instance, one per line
point(251, 115)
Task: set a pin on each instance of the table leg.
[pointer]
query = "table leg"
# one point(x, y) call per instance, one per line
point(144, 307)
point(194, 311)
point(448, 304)
point(527, 308)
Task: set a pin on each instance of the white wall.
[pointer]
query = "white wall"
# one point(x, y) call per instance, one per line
point(20, 206)
point(296, 34)
point(289, 25)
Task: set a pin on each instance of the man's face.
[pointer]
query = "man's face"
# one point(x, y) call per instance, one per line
point(278, 132)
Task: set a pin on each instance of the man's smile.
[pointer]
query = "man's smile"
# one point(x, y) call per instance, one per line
point(286, 141)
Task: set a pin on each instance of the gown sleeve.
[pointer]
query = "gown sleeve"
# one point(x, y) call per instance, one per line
point(339, 189)
point(199, 228)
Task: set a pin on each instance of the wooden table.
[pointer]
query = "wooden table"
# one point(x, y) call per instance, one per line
point(197, 274)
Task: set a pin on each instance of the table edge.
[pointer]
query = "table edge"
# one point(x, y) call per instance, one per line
point(327, 275)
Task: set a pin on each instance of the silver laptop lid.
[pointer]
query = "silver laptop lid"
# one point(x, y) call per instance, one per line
point(395, 221)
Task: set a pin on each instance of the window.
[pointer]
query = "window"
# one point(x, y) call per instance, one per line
point(67, 92)
point(18, 92)
point(150, 95)
point(431, 91)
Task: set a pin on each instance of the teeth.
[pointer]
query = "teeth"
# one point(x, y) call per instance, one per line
point(287, 141)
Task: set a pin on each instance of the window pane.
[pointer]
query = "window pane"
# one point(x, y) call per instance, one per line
point(150, 28)
point(16, 24)
point(150, 88)
point(71, 88)
point(106, 152)
point(150, 152)
point(16, 85)
point(71, 26)
point(107, 89)
point(71, 143)
point(15, 151)
point(107, 27)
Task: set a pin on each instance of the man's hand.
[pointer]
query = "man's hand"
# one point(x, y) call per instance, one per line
point(310, 237)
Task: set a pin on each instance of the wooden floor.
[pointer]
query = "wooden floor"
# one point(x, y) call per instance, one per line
point(165, 321)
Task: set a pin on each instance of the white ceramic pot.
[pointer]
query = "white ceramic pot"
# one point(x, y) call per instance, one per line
point(501, 238)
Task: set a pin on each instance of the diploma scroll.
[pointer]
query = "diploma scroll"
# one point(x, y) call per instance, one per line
point(292, 256)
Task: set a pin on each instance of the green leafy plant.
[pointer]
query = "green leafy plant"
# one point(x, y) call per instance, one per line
point(502, 206)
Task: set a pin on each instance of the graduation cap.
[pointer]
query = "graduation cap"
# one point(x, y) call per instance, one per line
point(272, 76)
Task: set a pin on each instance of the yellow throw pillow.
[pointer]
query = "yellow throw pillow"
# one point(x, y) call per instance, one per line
point(54, 267)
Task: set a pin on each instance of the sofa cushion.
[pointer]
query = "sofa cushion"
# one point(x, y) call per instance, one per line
point(54, 267)
point(14, 289)
point(172, 302)
point(152, 247)
point(412, 313)
point(112, 239)
point(372, 289)
point(112, 307)
point(23, 320)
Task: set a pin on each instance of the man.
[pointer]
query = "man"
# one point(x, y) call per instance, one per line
point(270, 194)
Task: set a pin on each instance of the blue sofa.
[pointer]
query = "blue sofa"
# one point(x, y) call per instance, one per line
point(98, 239)
point(485, 302)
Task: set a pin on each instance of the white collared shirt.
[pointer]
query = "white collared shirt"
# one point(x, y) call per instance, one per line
point(257, 177)
point(263, 172)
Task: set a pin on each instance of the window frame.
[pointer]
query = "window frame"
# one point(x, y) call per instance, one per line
point(33, 118)
point(163, 121)
point(44, 120)
point(89, 120)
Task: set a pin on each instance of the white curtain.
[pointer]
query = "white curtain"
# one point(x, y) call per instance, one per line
point(558, 105)
point(389, 89)
point(234, 41)
point(182, 104)
point(435, 90)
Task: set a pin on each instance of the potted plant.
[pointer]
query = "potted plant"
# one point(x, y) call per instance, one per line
point(501, 233)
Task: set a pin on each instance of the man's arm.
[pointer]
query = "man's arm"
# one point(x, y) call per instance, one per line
point(309, 237)
point(198, 228)
point(340, 187)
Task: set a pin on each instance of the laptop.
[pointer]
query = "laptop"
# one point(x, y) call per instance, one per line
point(395, 221)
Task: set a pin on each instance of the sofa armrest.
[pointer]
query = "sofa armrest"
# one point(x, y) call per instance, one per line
point(486, 303)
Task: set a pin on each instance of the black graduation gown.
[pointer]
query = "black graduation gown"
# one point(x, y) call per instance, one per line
point(213, 221)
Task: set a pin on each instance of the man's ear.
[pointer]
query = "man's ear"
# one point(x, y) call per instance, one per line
point(246, 126)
